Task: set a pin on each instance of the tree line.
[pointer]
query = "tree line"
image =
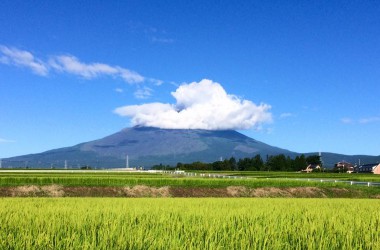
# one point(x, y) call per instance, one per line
point(256, 163)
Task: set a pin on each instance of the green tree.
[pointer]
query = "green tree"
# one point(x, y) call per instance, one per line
point(179, 165)
point(233, 163)
point(244, 164)
point(314, 160)
point(257, 162)
point(299, 163)
point(278, 163)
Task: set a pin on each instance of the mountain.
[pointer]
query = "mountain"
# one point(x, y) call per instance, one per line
point(147, 146)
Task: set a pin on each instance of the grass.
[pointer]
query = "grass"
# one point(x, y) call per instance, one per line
point(114, 223)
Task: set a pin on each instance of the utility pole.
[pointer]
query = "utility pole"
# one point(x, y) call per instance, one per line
point(65, 164)
point(127, 162)
point(1, 161)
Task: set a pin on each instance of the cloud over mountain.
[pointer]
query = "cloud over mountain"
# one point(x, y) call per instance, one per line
point(199, 105)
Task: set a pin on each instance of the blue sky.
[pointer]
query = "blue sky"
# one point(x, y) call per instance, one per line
point(305, 74)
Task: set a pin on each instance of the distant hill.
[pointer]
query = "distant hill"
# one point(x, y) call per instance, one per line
point(146, 146)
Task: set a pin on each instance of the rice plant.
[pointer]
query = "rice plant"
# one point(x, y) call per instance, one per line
point(171, 223)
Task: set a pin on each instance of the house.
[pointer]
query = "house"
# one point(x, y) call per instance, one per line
point(369, 168)
point(311, 168)
point(344, 167)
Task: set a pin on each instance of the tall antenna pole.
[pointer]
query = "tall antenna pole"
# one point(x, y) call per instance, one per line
point(65, 164)
point(127, 162)
point(1, 161)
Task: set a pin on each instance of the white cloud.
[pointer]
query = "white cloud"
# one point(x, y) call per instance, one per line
point(156, 81)
point(347, 120)
point(360, 121)
point(143, 93)
point(71, 65)
point(369, 120)
point(21, 58)
point(154, 34)
point(66, 64)
point(2, 140)
point(119, 90)
point(203, 105)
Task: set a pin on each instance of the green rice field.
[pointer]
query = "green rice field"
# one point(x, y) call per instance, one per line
point(112, 178)
point(189, 223)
